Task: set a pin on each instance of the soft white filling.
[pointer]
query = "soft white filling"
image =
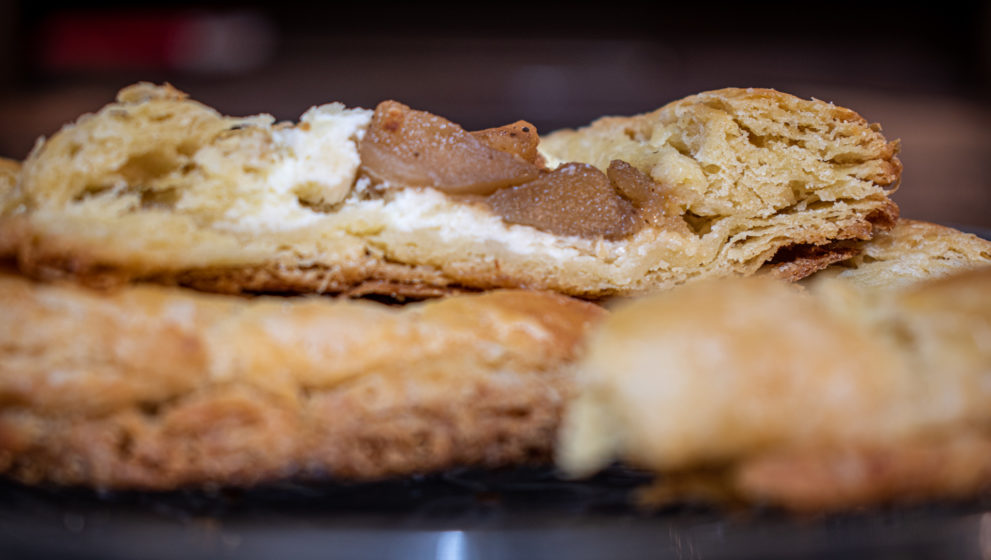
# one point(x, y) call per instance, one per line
point(321, 153)
point(418, 210)
point(316, 163)
point(270, 211)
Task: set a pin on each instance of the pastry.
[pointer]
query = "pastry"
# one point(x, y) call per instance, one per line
point(913, 251)
point(157, 388)
point(157, 187)
point(830, 398)
point(9, 172)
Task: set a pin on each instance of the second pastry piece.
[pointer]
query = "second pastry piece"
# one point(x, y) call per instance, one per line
point(401, 202)
point(158, 388)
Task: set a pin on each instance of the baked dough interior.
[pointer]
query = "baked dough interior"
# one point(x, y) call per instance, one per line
point(159, 187)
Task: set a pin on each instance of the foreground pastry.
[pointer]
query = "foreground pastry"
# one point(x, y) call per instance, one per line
point(158, 388)
point(401, 202)
point(753, 390)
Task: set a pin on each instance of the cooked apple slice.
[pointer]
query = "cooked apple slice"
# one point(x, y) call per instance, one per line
point(417, 149)
point(574, 199)
point(519, 138)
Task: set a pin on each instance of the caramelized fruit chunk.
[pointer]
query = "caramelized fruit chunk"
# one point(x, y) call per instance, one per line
point(519, 138)
point(574, 199)
point(501, 166)
point(657, 204)
point(632, 183)
point(417, 149)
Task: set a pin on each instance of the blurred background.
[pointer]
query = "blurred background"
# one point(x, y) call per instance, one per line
point(921, 69)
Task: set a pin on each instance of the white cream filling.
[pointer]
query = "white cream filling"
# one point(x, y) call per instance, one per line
point(418, 210)
point(321, 153)
point(315, 163)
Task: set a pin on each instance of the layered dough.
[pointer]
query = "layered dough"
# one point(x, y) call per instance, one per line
point(10, 171)
point(829, 398)
point(157, 388)
point(159, 187)
point(913, 251)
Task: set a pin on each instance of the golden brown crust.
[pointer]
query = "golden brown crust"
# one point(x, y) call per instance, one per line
point(9, 173)
point(236, 436)
point(797, 262)
point(49, 258)
point(160, 188)
point(8, 170)
point(811, 480)
point(147, 387)
point(911, 252)
point(828, 398)
point(955, 465)
point(366, 277)
point(760, 126)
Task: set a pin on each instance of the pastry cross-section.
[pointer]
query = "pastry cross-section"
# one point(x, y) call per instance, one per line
point(395, 201)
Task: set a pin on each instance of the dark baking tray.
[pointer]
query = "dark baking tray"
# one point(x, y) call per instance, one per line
point(518, 513)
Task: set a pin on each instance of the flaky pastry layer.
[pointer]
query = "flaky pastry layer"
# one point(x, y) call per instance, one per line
point(157, 388)
point(158, 187)
point(911, 252)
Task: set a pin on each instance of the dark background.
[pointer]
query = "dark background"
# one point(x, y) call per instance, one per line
point(922, 69)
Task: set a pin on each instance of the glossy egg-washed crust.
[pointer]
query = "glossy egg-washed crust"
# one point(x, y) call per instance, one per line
point(751, 174)
point(158, 388)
